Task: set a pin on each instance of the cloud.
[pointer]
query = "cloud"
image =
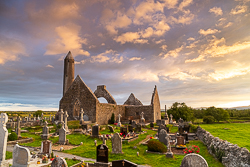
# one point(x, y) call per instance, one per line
point(185, 3)
point(191, 39)
point(208, 31)
point(186, 18)
point(107, 56)
point(69, 40)
point(127, 37)
point(134, 58)
point(143, 75)
point(216, 10)
point(49, 66)
point(217, 47)
point(198, 59)
point(229, 73)
point(11, 49)
point(164, 47)
point(180, 76)
point(238, 10)
point(173, 53)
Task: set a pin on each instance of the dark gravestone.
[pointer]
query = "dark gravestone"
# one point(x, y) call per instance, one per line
point(180, 140)
point(123, 163)
point(138, 127)
point(124, 130)
point(111, 128)
point(151, 125)
point(158, 122)
point(130, 128)
point(181, 129)
point(163, 127)
point(102, 153)
point(95, 130)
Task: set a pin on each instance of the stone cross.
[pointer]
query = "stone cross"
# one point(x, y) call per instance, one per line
point(81, 116)
point(60, 113)
point(166, 114)
point(104, 139)
point(65, 116)
point(3, 137)
point(171, 119)
point(42, 115)
point(119, 118)
point(142, 113)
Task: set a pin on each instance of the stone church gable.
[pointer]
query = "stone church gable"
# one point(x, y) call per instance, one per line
point(132, 100)
point(78, 96)
point(155, 102)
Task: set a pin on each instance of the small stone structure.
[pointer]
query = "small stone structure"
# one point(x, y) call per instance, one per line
point(45, 134)
point(171, 119)
point(95, 131)
point(81, 116)
point(192, 160)
point(59, 162)
point(60, 115)
point(62, 135)
point(102, 153)
point(65, 118)
point(123, 163)
point(233, 154)
point(119, 120)
point(18, 128)
point(162, 137)
point(21, 156)
point(116, 144)
point(46, 147)
point(3, 139)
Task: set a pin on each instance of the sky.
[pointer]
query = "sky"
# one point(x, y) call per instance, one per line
point(194, 51)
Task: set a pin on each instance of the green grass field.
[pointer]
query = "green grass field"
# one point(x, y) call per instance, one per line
point(236, 133)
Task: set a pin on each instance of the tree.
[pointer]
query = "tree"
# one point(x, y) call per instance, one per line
point(219, 114)
point(181, 110)
point(38, 113)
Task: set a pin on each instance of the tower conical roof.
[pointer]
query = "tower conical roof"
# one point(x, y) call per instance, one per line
point(69, 56)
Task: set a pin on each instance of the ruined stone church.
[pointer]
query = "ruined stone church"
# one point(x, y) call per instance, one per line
point(77, 95)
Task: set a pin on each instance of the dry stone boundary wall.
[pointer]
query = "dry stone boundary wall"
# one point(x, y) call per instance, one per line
point(231, 154)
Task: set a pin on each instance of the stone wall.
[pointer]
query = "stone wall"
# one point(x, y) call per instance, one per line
point(104, 112)
point(230, 154)
point(136, 111)
point(78, 96)
point(155, 102)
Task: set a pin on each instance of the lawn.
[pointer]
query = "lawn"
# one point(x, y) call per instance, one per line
point(88, 150)
point(236, 133)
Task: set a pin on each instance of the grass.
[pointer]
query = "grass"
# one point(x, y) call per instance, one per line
point(236, 133)
point(71, 162)
point(88, 150)
point(8, 155)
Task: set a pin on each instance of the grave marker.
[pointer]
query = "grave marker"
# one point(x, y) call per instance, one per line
point(116, 144)
point(62, 135)
point(95, 130)
point(3, 138)
point(21, 156)
point(102, 153)
point(46, 147)
point(59, 162)
point(123, 163)
point(65, 116)
point(190, 159)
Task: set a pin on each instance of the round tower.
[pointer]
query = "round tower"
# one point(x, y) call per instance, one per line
point(69, 72)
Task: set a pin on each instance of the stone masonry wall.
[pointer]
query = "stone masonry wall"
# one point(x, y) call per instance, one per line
point(233, 154)
point(79, 93)
point(104, 112)
point(137, 110)
point(155, 102)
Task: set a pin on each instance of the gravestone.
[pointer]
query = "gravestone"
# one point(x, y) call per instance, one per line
point(166, 115)
point(123, 163)
point(133, 123)
point(163, 121)
point(59, 162)
point(42, 116)
point(130, 128)
point(152, 125)
point(62, 135)
point(111, 128)
point(171, 119)
point(162, 136)
point(45, 134)
point(169, 151)
point(181, 122)
point(163, 127)
point(81, 116)
point(3, 138)
point(60, 115)
point(65, 116)
point(119, 120)
point(85, 117)
point(124, 130)
point(116, 144)
point(102, 153)
point(180, 140)
point(21, 156)
point(158, 122)
point(18, 128)
point(192, 159)
point(46, 147)
point(95, 130)
point(104, 139)
point(138, 128)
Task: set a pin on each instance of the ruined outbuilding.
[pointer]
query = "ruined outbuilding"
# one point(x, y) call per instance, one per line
point(77, 95)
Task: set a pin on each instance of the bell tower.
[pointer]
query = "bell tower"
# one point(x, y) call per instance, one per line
point(69, 72)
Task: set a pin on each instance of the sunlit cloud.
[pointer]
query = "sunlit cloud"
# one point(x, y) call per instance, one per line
point(229, 73)
point(134, 58)
point(208, 31)
point(173, 53)
point(238, 10)
point(198, 59)
point(216, 10)
point(49, 66)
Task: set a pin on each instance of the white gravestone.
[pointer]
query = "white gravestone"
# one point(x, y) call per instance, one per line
point(62, 135)
point(65, 116)
point(116, 144)
point(191, 159)
point(21, 156)
point(119, 120)
point(3, 138)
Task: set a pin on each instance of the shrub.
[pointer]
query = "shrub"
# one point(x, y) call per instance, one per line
point(208, 119)
point(12, 136)
point(193, 128)
point(156, 146)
